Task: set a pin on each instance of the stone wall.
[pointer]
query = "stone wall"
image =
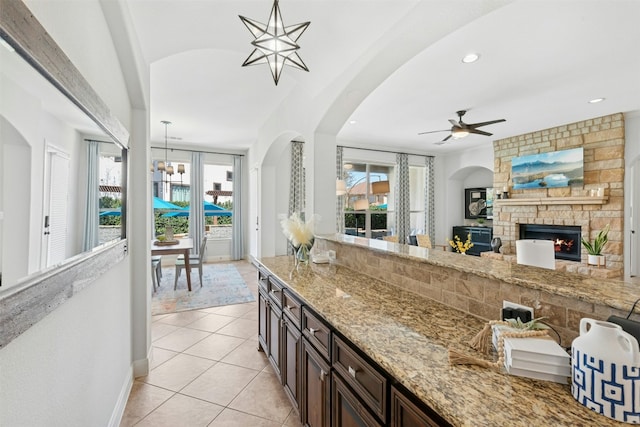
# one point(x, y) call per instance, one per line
point(603, 142)
point(468, 292)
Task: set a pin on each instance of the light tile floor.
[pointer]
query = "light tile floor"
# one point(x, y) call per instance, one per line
point(207, 371)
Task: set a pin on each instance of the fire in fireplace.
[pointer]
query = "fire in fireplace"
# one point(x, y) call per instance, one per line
point(566, 238)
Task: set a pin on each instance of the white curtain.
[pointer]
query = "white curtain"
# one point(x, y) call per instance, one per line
point(92, 212)
point(196, 201)
point(403, 197)
point(339, 198)
point(297, 184)
point(237, 237)
point(429, 199)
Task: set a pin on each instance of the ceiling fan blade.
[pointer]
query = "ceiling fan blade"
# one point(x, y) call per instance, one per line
point(454, 123)
point(433, 131)
point(480, 132)
point(446, 138)
point(477, 125)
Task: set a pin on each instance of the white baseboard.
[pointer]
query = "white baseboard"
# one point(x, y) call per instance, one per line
point(123, 397)
point(141, 366)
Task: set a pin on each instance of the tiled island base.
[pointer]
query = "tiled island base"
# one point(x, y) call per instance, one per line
point(479, 285)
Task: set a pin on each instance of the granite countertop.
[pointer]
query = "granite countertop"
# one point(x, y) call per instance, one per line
point(614, 293)
point(409, 336)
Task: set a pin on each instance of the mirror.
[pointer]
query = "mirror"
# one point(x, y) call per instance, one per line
point(51, 207)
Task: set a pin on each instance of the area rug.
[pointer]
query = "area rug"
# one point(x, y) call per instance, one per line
point(222, 285)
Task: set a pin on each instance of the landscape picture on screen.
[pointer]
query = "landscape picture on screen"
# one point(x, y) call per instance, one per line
point(547, 170)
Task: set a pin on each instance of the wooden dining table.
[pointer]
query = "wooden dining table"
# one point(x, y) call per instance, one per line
point(183, 247)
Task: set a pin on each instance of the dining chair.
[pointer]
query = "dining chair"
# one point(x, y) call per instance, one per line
point(393, 239)
point(195, 261)
point(159, 270)
point(156, 274)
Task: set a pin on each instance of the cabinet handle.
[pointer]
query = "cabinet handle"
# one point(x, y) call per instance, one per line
point(352, 371)
point(313, 331)
point(323, 375)
point(289, 307)
point(275, 291)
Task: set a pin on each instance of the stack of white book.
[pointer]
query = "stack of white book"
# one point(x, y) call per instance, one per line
point(539, 358)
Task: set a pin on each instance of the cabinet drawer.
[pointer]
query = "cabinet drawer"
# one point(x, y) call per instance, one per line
point(292, 307)
point(318, 334)
point(275, 291)
point(369, 384)
point(263, 280)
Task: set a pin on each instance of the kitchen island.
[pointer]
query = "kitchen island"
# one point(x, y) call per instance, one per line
point(408, 338)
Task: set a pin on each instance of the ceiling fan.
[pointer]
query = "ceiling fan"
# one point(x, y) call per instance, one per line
point(461, 129)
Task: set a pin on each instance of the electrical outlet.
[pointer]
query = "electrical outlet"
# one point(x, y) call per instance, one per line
point(513, 305)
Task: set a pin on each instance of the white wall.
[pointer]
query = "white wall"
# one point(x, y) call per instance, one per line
point(74, 367)
point(71, 368)
point(632, 194)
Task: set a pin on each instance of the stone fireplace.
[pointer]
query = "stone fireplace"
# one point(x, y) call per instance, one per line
point(602, 140)
point(566, 238)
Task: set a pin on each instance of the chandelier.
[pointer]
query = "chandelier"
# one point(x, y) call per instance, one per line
point(274, 43)
point(164, 166)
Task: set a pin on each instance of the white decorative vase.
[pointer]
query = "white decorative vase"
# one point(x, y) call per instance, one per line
point(605, 370)
point(596, 260)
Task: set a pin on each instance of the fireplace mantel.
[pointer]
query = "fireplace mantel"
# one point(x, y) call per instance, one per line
point(571, 200)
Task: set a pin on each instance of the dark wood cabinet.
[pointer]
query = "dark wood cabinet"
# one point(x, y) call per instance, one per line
point(347, 410)
point(480, 237)
point(367, 382)
point(264, 312)
point(290, 363)
point(329, 380)
point(279, 334)
point(404, 413)
point(274, 338)
point(316, 388)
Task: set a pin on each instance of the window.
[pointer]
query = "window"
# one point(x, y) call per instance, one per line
point(219, 201)
point(216, 186)
point(367, 200)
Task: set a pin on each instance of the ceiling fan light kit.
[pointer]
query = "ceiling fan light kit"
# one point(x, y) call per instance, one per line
point(274, 43)
point(460, 129)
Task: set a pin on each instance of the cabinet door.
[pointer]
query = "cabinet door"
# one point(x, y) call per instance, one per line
point(291, 354)
point(461, 232)
point(405, 414)
point(263, 321)
point(316, 388)
point(274, 338)
point(347, 411)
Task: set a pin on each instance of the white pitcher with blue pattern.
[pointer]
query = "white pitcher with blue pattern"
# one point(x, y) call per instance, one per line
point(605, 370)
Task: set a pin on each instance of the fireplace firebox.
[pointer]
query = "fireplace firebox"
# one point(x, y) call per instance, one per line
point(566, 238)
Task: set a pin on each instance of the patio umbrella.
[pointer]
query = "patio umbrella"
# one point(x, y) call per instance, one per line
point(210, 209)
point(162, 204)
point(114, 212)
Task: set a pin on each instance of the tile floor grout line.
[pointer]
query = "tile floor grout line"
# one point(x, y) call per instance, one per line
point(250, 342)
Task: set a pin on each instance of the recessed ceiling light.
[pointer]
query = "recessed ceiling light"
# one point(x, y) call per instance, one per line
point(471, 57)
point(353, 122)
point(596, 100)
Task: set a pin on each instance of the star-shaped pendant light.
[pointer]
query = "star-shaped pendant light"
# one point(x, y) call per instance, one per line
point(274, 43)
